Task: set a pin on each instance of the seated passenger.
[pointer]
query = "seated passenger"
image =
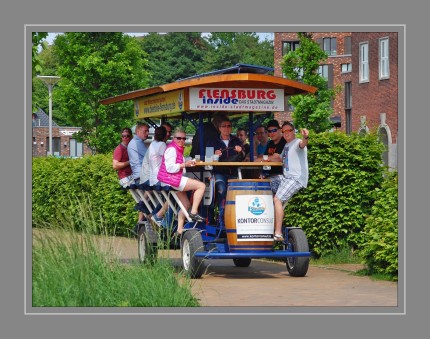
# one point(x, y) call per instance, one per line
point(243, 136)
point(155, 155)
point(261, 141)
point(120, 162)
point(229, 148)
point(210, 131)
point(171, 173)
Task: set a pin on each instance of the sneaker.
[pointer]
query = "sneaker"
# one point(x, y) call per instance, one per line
point(278, 237)
point(196, 217)
point(158, 220)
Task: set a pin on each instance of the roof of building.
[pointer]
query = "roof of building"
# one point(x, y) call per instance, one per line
point(41, 119)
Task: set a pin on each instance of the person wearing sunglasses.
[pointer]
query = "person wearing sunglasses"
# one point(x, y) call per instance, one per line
point(294, 175)
point(274, 147)
point(229, 148)
point(120, 162)
point(171, 172)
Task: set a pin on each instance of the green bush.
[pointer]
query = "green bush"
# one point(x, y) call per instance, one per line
point(91, 180)
point(344, 171)
point(380, 248)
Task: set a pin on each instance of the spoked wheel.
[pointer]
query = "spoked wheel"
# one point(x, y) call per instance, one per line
point(242, 262)
point(191, 242)
point(147, 250)
point(297, 242)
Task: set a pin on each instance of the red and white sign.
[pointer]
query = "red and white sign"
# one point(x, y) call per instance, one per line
point(236, 99)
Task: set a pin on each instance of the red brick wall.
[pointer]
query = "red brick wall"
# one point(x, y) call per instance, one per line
point(339, 78)
point(376, 96)
point(40, 134)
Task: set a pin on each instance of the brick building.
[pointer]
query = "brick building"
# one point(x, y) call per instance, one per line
point(336, 69)
point(63, 142)
point(374, 88)
point(364, 65)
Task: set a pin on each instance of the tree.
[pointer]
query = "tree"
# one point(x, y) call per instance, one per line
point(36, 62)
point(94, 66)
point(311, 111)
point(229, 49)
point(37, 42)
point(174, 55)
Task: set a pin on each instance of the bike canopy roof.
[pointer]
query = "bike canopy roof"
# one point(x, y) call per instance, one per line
point(222, 90)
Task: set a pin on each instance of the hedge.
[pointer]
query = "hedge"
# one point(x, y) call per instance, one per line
point(344, 173)
point(58, 184)
point(380, 246)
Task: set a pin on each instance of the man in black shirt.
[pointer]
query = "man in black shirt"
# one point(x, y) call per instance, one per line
point(210, 131)
point(275, 146)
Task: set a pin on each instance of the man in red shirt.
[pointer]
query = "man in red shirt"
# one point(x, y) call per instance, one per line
point(120, 162)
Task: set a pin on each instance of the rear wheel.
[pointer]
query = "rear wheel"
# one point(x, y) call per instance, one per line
point(297, 242)
point(242, 262)
point(147, 250)
point(191, 242)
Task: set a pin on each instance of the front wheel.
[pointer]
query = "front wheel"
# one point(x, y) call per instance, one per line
point(242, 262)
point(297, 242)
point(191, 242)
point(147, 250)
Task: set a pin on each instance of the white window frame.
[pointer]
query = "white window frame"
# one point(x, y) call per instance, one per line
point(346, 68)
point(364, 62)
point(384, 58)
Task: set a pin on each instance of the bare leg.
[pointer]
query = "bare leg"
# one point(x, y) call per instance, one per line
point(279, 215)
point(162, 210)
point(199, 190)
point(181, 216)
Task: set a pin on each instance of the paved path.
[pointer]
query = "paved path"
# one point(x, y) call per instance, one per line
point(269, 284)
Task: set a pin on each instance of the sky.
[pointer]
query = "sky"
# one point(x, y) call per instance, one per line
point(51, 36)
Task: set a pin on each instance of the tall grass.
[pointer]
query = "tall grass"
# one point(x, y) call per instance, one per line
point(71, 267)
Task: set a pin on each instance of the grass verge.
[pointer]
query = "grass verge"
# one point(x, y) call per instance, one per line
point(76, 269)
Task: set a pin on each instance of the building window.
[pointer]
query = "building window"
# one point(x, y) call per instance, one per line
point(329, 46)
point(56, 146)
point(384, 60)
point(348, 107)
point(288, 46)
point(288, 106)
point(346, 68)
point(326, 71)
point(383, 137)
point(347, 45)
point(348, 121)
point(348, 95)
point(364, 62)
point(76, 148)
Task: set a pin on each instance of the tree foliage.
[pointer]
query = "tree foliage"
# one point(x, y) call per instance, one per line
point(94, 66)
point(36, 62)
point(311, 111)
point(174, 55)
point(229, 49)
point(344, 172)
point(37, 42)
point(380, 248)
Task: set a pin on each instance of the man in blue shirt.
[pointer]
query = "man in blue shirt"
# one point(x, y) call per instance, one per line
point(137, 150)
